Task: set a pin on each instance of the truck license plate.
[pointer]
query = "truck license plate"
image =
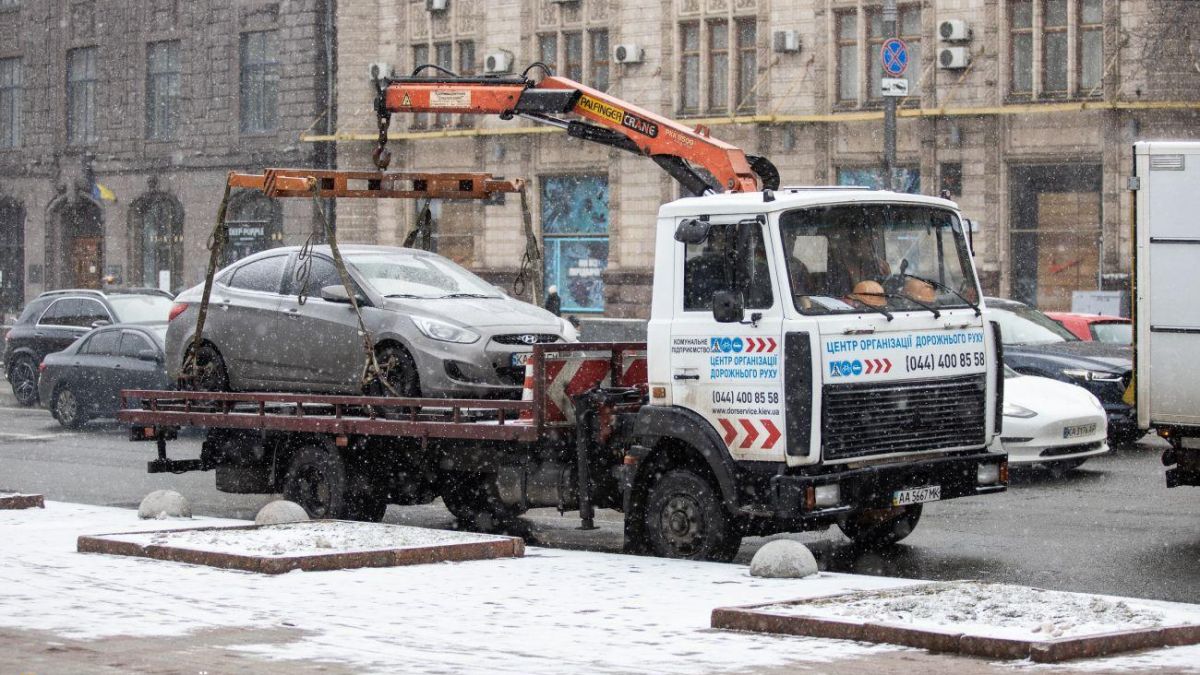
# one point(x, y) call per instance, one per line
point(521, 358)
point(1078, 430)
point(929, 493)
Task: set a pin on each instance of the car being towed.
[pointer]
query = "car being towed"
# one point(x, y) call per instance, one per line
point(1035, 344)
point(281, 320)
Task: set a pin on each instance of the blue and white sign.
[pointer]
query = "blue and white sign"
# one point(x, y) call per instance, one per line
point(894, 56)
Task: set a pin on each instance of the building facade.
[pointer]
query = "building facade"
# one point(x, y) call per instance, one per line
point(120, 119)
point(1025, 115)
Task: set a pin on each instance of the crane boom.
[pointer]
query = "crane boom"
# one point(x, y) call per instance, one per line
point(698, 161)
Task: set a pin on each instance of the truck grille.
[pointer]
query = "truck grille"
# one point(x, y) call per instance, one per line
point(884, 418)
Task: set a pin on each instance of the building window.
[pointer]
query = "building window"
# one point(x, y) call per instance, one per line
point(907, 179)
point(951, 179)
point(689, 67)
point(575, 233)
point(260, 82)
point(548, 51)
point(859, 61)
point(156, 233)
point(420, 58)
point(573, 56)
point(1091, 46)
point(466, 58)
point(600, 59)
point(747, 76)
point(162, 89)
point(847, 62)
point(254, 223)
point(718, 65)
point(443, 56)
point(10, 103)
point(81, 96)
point(9, 4)
point(1042, 61)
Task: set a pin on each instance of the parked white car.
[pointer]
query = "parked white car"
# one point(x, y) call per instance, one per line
point(1052, 423)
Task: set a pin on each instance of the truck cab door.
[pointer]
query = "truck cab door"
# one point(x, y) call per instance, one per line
point(730, 372)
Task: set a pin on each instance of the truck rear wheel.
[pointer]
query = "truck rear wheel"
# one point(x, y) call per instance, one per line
point(881, 527)
point(685, 518)
point(316, 480)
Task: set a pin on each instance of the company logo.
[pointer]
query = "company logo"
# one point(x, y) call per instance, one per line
point(618, 116)
point(529, 339)
point(726, 345)
point(845, 368)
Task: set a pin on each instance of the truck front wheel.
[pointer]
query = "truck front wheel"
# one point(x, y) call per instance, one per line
point(475, 502)
point(685, 518)
point(881, 527)
point(316, 480)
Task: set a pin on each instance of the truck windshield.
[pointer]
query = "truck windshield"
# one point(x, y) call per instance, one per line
point(855, 258)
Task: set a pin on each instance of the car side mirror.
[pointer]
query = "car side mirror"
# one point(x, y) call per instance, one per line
point(335, 294)
point(149, 355)
point(727, 307)
point(101, 322)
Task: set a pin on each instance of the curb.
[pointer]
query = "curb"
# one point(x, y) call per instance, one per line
point(12, 502)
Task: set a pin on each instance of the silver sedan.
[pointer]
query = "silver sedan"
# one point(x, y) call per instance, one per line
point(438, 329)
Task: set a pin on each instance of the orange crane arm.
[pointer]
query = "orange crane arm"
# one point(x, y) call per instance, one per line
point(693, 157)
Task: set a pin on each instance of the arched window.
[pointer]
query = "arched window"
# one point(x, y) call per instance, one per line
point(255, 223)
point(12, 255)
point(156, 238)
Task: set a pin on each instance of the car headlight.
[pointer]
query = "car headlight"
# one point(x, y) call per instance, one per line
point(569, 332)
point(446, 332)
point(1092, 375)
point(1014, 410)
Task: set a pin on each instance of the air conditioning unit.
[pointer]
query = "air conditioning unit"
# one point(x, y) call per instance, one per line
point(954, 30)
point(629, 53)
point(379, 71)
point(954, 58)
point(436, 5)
point(786, 41)
point(498, 63)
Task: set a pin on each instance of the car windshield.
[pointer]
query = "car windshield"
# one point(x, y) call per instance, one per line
point(404, 275)
point(1021, 325)
point(141, 308)
point(1113, 332)
point(866, 257)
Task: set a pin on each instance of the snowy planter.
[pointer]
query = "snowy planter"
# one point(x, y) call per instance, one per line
point(310, 546)
point(9, 500)
point(979, 619)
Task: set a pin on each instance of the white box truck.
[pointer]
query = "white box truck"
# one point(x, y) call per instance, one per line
point(1166, 221)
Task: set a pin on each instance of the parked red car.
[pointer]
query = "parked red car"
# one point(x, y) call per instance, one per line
point(1096, 327)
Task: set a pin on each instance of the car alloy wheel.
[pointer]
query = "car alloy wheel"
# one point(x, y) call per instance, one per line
point(24, 378)
point(66, 408)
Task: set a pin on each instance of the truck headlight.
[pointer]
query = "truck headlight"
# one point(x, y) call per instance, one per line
point(987, 474)
point(827, 495)
point(446, 332)
point(1014, 410)
point(1092, 375)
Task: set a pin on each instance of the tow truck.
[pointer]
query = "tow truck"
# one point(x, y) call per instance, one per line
point(815, 356)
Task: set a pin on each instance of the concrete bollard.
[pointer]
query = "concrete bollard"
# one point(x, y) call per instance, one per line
point(280, 511)
point(162, 504)
point(783, 559)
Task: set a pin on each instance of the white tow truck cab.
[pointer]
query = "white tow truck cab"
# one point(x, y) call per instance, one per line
point(1166, 302)
point(830, 339)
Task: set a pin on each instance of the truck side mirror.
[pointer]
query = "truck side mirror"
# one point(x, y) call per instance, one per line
point(692, 231)
point(727, 307)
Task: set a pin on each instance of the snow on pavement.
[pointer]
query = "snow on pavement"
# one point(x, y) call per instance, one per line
point(553, 611)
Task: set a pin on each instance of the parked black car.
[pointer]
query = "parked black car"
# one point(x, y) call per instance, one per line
point(55, 319)
point(1035, 344)
point(85, 380)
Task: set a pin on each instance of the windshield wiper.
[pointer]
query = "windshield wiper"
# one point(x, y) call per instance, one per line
point(905, 296)
point(467, 295)
point(406, 295)
point(942, 286)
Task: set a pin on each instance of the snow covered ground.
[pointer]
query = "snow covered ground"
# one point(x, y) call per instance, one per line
point(1000, 610)
point(553, 611)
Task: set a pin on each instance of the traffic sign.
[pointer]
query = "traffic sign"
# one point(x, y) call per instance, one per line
point(894, 86)
point(894, 57)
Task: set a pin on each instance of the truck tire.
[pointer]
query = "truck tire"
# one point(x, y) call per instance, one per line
point(684, 518)
point(877, 528)
point(316, 480)
point(473, 500)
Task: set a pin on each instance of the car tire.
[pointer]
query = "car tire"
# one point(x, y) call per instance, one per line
point(877, 528)
point(685, 518)
point(23, 375)
point(399, 370)
point(66, 408)
point(474, 501)
point(316, 480)
point(210, 373)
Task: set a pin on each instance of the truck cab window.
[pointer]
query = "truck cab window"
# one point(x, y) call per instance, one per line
point(712, 266)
